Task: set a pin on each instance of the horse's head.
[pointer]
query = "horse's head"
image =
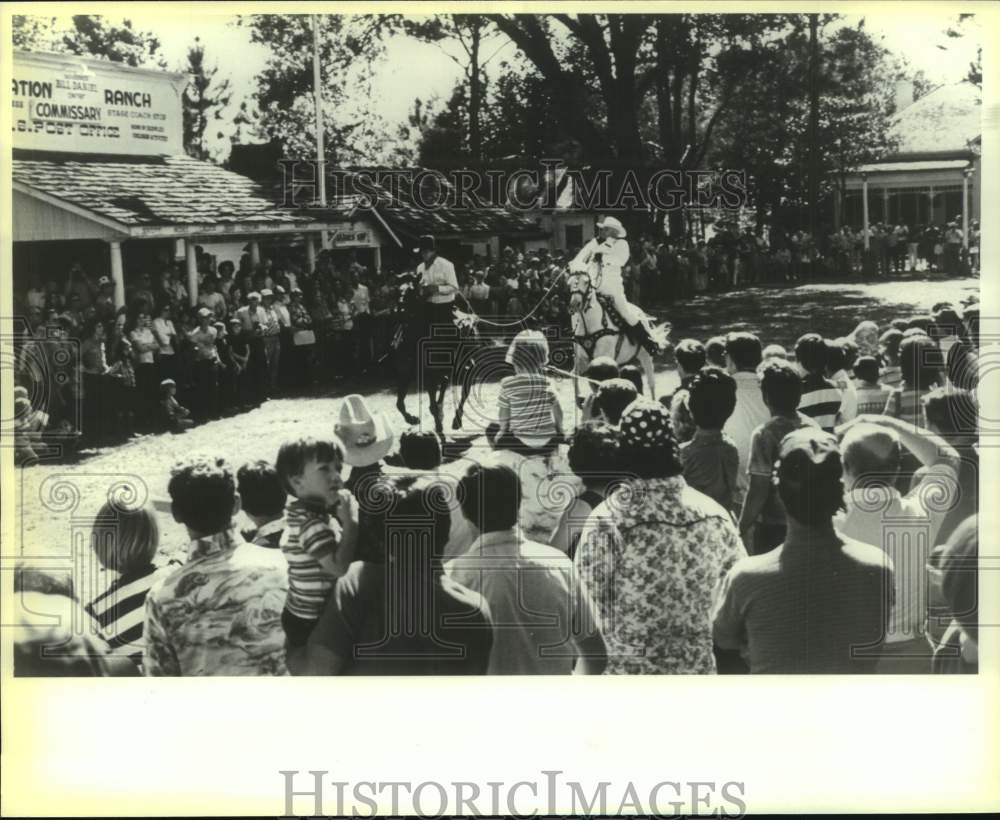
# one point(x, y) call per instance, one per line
point(579, 290)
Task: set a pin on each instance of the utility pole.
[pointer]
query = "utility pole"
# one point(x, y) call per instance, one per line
point(318, 98)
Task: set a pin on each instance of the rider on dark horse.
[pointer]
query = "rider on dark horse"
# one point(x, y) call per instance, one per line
point(438, 284)
point(603, 258)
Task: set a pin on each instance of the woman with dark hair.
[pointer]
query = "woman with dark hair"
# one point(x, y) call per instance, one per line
point(652, 554)
point(395, 612)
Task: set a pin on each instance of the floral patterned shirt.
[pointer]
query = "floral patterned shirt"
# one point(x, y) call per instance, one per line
point(220, 613)
point(652, 557)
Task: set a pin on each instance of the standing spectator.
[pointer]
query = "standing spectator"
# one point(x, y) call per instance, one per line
point(957, 563)
point(206, 363)
point(219, 614)
point(920, 368)
point(303, 340)
point(281, 310)
point(952, 249)
point(808, 605)
point(651, 555)
point(710, 459)
point(743, 355)
point(872, 396)
point(271, 334)
point(94, 363)
point(144, 347)
point(530, 588)
point(166, 337)
point(362, 316)
point(239, 350)
point(263, 502)
point(367, 626)
point(781, 389)
point(888, 345)
point(820, 398)
point(124, 401)
point(878, 514)
point(611, 398)
point(254, 319)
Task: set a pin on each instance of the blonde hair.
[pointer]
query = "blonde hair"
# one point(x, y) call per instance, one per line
point(529, 351)
point(125, 539)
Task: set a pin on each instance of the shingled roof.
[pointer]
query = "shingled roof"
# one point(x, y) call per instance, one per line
point(942, 122)
point(154, 191)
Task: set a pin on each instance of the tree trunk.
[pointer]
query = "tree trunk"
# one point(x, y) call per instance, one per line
point(813, 123)
point(475, 95)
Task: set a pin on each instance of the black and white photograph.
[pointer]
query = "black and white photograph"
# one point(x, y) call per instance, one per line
point(496, 342)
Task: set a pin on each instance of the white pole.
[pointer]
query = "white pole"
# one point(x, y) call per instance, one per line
point(117, 273)
point(191, 263)
point(965, 210)
point(318, 99)
point(864, 208)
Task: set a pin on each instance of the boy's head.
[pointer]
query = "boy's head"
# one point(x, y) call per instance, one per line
point(780, 387)
point(601, 369)
point(529, 351)
point(715, 352)
point(633, 373)
point(203, 494)
point(132, 542)
point(743, 352)
point(490, 496)
point(594, 452)
point(420, 450)
point(810, 476)
point(168, 387)
point(866, 370)
point(690, 355)
point(711, 398)
point(261, 490)
point(951, 411)
point(774, 352)
point(920, 361)
point(888, 344)
point(810, 351)
point(836, 358)
point(612, 397)
point(310, 468)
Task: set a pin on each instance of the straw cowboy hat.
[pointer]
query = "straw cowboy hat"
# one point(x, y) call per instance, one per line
point(614, 225)
point(366, 436)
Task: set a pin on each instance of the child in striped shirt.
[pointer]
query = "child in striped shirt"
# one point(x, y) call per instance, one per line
point(319, 548)
point(821, 400)
point(125, 542)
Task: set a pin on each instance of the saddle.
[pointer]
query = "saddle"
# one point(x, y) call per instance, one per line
point(611, 311)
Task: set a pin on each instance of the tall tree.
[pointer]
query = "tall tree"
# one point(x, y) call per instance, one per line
point(31, 32)
point(97, 36)
point(205, 98)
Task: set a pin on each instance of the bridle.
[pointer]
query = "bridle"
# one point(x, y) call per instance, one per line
point(581, 284)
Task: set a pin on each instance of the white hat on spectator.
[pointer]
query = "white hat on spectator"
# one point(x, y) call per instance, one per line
point(264, 294)
point(253, 295)
point(366, 436)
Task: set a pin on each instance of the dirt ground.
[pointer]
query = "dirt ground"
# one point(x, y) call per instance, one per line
point(56, 503)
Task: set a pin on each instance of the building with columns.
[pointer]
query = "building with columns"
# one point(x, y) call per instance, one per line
point(934, 173)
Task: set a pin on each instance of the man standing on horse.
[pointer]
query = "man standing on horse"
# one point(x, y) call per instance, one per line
point(603, 258)
point(438, 284)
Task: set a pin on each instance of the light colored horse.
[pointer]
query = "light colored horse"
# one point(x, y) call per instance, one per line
point(596, 334)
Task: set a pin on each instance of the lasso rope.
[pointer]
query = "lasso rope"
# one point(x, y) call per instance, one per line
point(524, 318)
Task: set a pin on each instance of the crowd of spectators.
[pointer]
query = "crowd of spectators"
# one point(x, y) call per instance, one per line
point(759, 519)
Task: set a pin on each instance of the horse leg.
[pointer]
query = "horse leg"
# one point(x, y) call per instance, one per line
point(646, 360)
point(435, 393)
point(402, 386)
point(467, 376)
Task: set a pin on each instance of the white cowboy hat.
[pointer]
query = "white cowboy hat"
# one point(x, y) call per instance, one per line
point(366, 436)
point(613, 224)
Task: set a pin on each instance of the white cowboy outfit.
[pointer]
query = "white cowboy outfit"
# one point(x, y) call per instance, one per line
point(603, 260)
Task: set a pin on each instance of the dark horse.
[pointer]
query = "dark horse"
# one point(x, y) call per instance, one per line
point(439, 356)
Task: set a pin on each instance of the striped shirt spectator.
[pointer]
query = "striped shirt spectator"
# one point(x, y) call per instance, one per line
point(309, 534)
point(905, 404)
point(872, 398)
point(820, 401)
point(121, 610)
point(530, 401)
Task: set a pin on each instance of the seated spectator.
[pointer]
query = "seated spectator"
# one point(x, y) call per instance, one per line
point(263, 501)
point(872, 395)
point(888, 345)
point(611, 398)
point(743, 356)
point(762, 521)
point(125, 542)
point(821, 400)
point(531, 588)
point(710, 459)
point(594, 459)
point(919, 364)
point(47, 615)
point(806, 607)
point(957, 565)
point(878, 514)
point(219, 614)
point(174, 417)
point(953, 414)
point(651, 554)
point(420, 450)
point(368, 625)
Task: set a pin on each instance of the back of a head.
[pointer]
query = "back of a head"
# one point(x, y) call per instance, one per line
point(633, 373)
point(420, 450)
point(612, 397)
point(715, 351)
point(810, 480)
point(203, 493)
point(648, 446)
point(712, 397)
point(811, 352)
point(836, 359)
point(959, 564)
point(690, 355)
point(595, 451)
point(401, 510)
point(780, 386)
point(125, 539)
point(920, 362)
point(601, 369)
point(866, 369)
point(260, 488)
point(871, 455)
point(952, 411)
point(490, 496)
point(744, 349)
point(890, 341)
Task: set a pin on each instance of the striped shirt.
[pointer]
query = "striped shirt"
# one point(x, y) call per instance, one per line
point(529, 401)
point(309, 534)
point(904, 404)
point(872, 398)
point(121, 610)
point(820, 401)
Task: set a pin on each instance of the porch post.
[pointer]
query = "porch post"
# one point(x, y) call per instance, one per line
point(864, 209)
point(191, 261)
point(837, 205)
point(310, 253)
point(965, 208)
point(254, 252)
point(117, 273)
point(377, 256)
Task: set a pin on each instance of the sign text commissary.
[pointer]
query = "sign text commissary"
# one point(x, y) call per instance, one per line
point(65, 103)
